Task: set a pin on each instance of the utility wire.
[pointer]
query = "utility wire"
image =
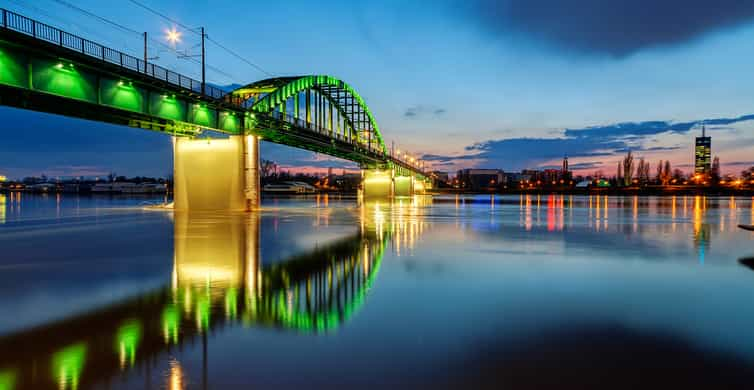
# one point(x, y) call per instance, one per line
point(130, 30)
point(234, 54)
point(63, 21)
point(100, 18)
point(169, 19)
point(177, 23)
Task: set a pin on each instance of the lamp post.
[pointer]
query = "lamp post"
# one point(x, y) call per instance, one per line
point(203, 68)
point(174, 36)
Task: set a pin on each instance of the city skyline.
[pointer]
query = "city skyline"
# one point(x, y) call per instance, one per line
point(481, 96)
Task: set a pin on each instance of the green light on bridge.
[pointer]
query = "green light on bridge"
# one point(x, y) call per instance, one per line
point(168, 107)
point(64, 80)
point(126, 342)
point(7, 380)
point(201, 115)
point(12, 69)
point(68, 364)
point(229, 122)
point(121, 95)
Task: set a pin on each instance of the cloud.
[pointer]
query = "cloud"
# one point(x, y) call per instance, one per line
point(589, 142)
point(577, 166)
point(646, 128)
point(616, 28)
point(415, 111)
point(745, 163)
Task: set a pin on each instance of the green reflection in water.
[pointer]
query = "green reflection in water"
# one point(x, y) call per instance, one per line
point(231, 303)
point(68, 364)
point(170, 324)
point(7, 380)
point(219, 281)
point(3, 203)
point(203, 312)
point(128, 338)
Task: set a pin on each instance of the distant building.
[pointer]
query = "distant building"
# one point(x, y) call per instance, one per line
point(703, 154)
point(565, 165)
point(512, 177)
point(528, 175)
point(441, 176)
point(545, 177)
point(565, 173)
point(549, 176)
point(480, 179)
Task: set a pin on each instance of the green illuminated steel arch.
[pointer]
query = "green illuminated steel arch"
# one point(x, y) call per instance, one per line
point(271, 95)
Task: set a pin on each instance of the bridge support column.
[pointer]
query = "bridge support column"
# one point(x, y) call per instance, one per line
point(253, 187)
point(404, 186)
point(216, 174)
point(377, 183)
point(421, 186)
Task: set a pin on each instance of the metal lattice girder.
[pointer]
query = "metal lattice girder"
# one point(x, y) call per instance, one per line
point(268, 95)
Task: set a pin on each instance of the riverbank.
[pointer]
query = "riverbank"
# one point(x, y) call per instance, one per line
point(626, 191)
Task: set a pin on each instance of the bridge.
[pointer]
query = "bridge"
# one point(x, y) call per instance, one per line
point(219, 280)
point(45, 69)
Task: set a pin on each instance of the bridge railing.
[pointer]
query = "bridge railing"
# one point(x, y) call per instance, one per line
point(44, 32)
point(312, 127)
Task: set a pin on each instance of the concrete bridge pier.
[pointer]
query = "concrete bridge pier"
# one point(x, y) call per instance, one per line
point(377, 183)
point(216, 174)
point(387, 184)
point(403, 185)
point(421, 186)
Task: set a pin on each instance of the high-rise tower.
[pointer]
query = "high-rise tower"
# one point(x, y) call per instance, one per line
point(703, 154)
point(565, 165)
point(565, 174)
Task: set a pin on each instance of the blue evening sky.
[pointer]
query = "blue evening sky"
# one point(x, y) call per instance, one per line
point(505, 84)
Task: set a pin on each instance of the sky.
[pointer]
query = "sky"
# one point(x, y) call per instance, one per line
point(509, 84)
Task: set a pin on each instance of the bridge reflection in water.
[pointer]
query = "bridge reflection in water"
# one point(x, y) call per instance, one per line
point(218, 280)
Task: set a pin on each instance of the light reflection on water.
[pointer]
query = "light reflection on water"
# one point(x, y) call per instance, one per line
point(409, 289)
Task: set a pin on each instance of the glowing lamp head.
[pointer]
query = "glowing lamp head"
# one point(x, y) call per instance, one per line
point(173, 36)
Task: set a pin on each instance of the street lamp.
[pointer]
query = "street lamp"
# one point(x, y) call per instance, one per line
point(173, 36)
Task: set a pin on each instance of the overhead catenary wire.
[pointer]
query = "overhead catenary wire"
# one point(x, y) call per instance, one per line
point(234, 54)
point(132, 31)
point(160, 14)
point(95, 16)
point(63, 21)
point(194, 30)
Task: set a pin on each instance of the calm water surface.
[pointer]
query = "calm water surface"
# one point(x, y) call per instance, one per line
point(475, 291)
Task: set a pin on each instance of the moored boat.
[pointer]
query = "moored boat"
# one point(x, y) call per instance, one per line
point(290, 187)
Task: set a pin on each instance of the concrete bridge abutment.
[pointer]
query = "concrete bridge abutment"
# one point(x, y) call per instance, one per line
point(216, 174)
